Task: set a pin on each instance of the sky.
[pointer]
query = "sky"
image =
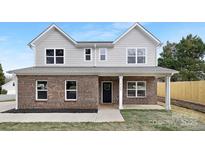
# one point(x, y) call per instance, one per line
point(14, 37)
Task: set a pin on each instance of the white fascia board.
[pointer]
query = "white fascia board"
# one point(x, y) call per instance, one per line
point(142, 28)
point(31, 44)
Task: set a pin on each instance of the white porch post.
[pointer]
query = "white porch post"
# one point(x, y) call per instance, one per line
point(120, 92)
point(167, 93)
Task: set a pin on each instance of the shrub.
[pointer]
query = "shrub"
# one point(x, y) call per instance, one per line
point(4, 91)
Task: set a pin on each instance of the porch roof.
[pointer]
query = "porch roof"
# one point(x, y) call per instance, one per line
point(100, 71)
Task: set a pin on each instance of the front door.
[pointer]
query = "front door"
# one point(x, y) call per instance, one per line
point(107, 92)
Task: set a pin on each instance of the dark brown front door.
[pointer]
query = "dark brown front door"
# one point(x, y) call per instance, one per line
point(107, 92)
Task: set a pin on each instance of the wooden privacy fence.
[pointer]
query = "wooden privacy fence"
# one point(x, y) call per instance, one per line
point(192, 91)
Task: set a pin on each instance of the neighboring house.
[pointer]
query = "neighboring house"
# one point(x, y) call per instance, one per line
point(82, 75)
point(10, 87)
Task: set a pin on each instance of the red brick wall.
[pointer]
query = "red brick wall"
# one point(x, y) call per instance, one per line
point(89, 92)
point(151, 86)
point(87, 97)
point(151, 91)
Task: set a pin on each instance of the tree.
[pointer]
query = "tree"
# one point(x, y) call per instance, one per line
point(187, 57)
point(167, 58)
point(2, 78)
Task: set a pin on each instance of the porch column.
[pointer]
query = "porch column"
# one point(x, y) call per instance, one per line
point(120, 92)
point(167, 93)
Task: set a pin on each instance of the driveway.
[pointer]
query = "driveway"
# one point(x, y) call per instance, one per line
point(7, 97)
point(103, 115)
point(4, 106)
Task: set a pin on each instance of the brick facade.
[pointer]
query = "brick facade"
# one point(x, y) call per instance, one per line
point(151, 89)
point(88, 95)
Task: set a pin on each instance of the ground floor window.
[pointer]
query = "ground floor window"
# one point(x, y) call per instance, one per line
point(41, 90)
point(136, 88)
point(71, 90)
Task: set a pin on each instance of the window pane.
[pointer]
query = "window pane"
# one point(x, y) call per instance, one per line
point(49, 52)
point(59, 60)
point(132, 93)
point(131, 60)
point(131, 85)
point(141, 93)
point(87, 51)
point(59, 52)
point(102, 51)
point(42, 94)
point(42, 85)
point(132, 52)
point(50, 60)
point(140, 59)
point(140, 85)
point(141, 52)
point(71, 94)
point(87, 57)
point(102, 57)
point(71, 85)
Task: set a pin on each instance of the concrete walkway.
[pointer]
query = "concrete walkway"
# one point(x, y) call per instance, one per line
point(144, 107)
point(103, 115)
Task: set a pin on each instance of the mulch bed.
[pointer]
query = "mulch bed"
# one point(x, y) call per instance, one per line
point(51, 111)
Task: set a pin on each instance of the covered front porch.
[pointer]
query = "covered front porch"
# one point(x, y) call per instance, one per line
point(113, 92)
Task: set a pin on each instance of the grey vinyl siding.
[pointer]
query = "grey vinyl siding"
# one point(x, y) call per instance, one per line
point(73, 56)
point(116, 56)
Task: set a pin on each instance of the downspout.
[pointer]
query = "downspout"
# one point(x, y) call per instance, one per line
point(156, 54)
point(33, 48)
point(95, 56)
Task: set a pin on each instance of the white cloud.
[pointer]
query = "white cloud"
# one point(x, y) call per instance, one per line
point(3, 38)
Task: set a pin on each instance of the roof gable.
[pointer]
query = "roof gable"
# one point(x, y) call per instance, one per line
point(31, 44)
point(145, 31)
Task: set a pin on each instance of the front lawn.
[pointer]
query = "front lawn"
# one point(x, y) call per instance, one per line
point(178, 119)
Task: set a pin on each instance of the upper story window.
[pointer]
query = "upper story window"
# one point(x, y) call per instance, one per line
point(141, 57)
point(103, 54)
point(54, 56)
point(88, 54)
point(131, 56)
point(136, 55)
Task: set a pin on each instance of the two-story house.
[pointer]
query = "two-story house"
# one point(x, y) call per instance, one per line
point(71, 75)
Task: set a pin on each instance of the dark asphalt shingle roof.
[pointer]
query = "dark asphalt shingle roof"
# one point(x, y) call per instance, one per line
point(93, 71)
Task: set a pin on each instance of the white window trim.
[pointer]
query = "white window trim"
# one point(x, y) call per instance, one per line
point(105, 55)
point(71, 90)
point(136, 62)
point(55, 56)
point(41, 90)
point(91, 55)
point(136, 96)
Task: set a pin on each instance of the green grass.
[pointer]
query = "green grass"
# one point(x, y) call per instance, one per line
point(178, 119)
